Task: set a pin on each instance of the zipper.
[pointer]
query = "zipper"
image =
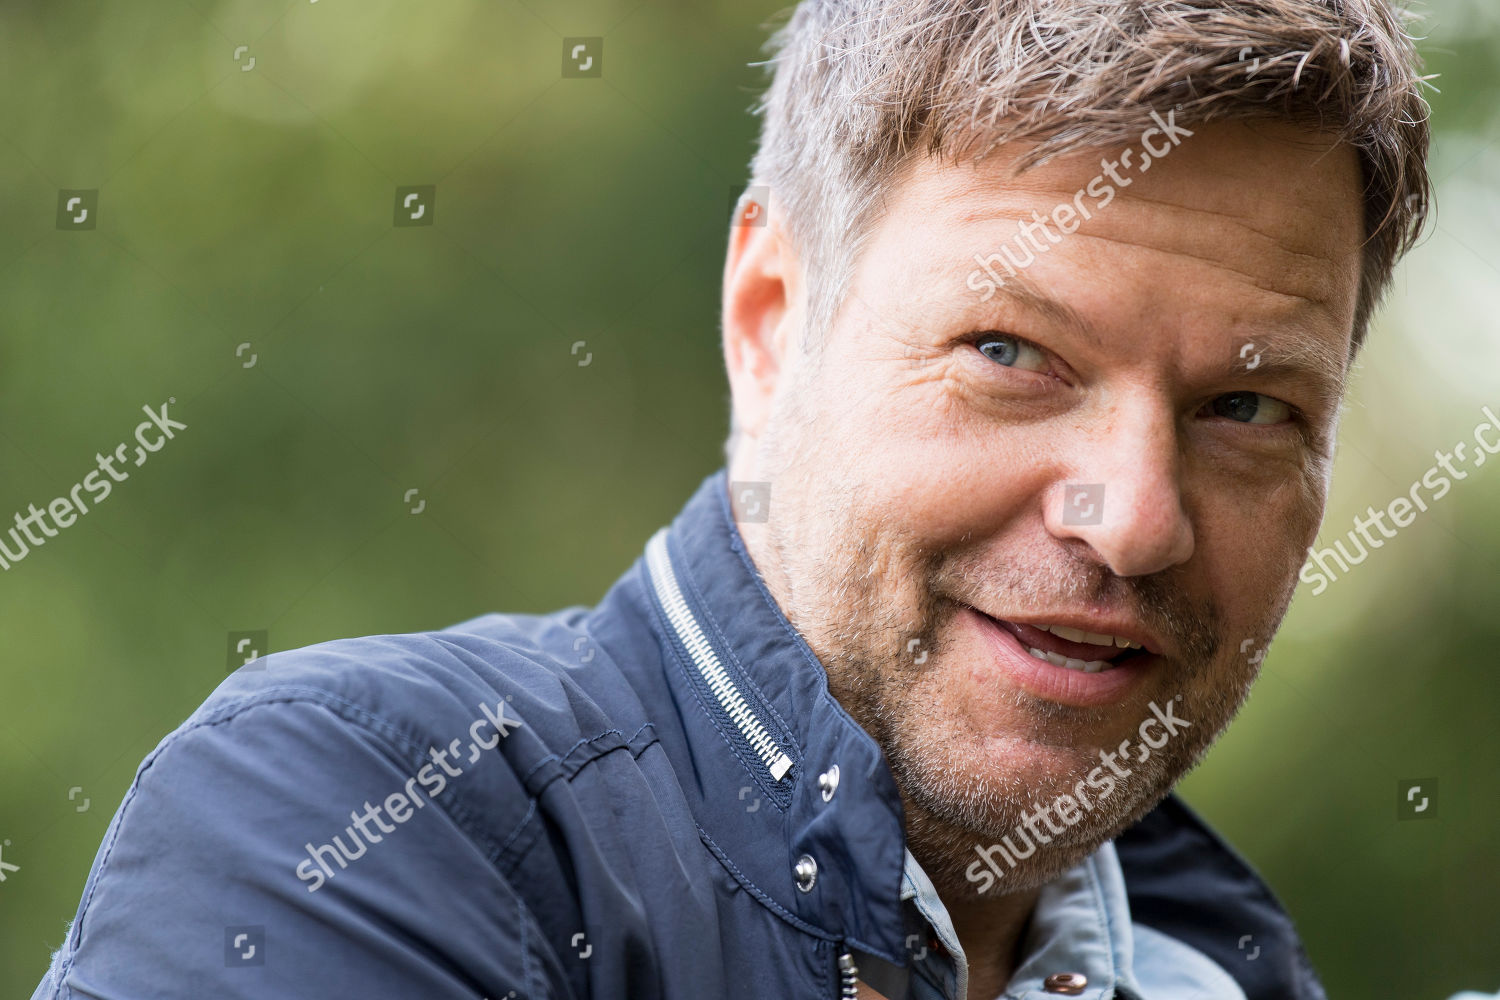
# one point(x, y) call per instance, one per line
point(848, 977)
point(707, 662)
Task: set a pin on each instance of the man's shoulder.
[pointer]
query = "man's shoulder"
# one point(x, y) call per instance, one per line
point(475, 720)
point(493, 709)
point(388, 782)
point(413, 688)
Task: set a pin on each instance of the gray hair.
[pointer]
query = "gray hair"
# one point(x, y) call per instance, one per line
point(861, 87)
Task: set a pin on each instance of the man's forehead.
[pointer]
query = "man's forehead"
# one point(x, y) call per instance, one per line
point(1165, 244)
point(1230, 151)
point(1298, 187)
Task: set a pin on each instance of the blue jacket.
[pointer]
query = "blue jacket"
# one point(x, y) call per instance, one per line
point(653, 798)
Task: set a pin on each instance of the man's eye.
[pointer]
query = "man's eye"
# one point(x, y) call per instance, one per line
point(1013, 352)
point(1249, 408)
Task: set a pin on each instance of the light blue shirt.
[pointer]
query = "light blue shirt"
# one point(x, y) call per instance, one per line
point(1081, 925)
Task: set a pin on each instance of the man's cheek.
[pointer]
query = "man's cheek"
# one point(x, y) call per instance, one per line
point(963, 687)
point(954, 500)
point(1251, 562)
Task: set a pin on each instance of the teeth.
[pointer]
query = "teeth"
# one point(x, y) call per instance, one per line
point(1069, 663)
point(1091, 638)
point(1076, 634)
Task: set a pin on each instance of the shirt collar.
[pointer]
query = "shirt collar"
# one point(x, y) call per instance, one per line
point(1082, 925)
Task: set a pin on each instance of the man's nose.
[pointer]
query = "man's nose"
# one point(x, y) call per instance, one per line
point(1123, 495)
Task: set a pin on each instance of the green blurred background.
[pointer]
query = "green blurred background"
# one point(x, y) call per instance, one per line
point(254, 206)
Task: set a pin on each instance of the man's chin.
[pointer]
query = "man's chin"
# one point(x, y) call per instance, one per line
point(989, 817)
point(1046, 804)
point(957, 840)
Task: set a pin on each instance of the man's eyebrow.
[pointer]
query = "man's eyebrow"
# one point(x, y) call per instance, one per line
point(1312, 363)
point(1020, 290)
point(1305, 360)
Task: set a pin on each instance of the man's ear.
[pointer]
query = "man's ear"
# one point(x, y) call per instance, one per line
point(763, 312)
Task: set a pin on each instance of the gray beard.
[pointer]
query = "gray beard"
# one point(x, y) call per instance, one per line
point(952, 812)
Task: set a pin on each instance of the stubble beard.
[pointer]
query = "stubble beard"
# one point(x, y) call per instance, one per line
point(840, 568)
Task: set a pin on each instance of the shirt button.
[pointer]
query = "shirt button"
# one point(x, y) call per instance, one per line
point(1066, 983)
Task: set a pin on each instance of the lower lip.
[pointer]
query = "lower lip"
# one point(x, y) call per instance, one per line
point(1053, 683)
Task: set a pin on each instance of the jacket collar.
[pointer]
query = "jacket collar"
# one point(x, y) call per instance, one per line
point(796, 799)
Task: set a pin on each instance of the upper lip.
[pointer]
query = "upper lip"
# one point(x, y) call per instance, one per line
point(1103, 625)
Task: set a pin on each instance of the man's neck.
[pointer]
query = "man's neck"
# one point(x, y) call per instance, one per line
point(991, 933)
point(990, 929)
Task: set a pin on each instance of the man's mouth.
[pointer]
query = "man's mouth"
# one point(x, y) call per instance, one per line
point(1067, 663)
point(1096, 667)
point(1071, 648)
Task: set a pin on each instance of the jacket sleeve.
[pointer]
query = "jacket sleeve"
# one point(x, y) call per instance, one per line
point(238, 867)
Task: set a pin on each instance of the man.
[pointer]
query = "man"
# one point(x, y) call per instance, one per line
point(1036, 341)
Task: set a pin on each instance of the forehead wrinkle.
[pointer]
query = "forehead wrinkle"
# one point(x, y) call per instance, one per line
point(1251, 278)
point(1281, 241)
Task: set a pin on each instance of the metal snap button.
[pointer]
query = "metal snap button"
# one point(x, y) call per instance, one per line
point(1066, 983)
point(829, 782)
point(807, 872)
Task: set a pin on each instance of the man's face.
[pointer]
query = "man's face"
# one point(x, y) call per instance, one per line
point(1129, 437)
